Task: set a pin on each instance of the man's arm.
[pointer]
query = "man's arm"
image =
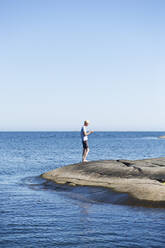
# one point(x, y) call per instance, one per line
point(88, 133)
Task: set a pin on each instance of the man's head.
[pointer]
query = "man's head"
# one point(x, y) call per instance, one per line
point(86, 123)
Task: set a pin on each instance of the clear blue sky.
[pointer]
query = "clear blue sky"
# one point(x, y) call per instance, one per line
point(63, 61)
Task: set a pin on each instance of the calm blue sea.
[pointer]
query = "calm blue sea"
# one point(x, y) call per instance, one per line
point(37, 213)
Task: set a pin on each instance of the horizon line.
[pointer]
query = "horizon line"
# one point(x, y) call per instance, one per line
point(1, 131)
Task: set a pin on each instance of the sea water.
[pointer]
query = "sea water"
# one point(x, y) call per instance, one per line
point(38, 213)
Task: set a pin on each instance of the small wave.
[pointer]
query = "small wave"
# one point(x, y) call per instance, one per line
point(47, 137)
point(149, 138)
point(39, 183)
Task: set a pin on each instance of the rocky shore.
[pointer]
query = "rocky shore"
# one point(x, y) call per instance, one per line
point(143, 180)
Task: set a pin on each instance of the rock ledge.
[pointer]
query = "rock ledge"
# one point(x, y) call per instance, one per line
point(143, 180)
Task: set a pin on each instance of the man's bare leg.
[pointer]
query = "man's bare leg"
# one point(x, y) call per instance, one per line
point(85, 154)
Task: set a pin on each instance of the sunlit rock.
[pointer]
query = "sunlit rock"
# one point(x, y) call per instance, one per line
point(141, 179)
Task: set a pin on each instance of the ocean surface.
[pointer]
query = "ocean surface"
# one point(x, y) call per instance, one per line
point(38, 213)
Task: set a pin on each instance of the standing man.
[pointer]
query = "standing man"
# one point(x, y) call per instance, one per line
point(84, 137)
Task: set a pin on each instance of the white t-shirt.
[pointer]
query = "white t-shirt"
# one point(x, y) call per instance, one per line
point(83, 136)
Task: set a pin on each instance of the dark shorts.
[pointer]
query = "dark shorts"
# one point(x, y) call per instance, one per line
point(85, 144)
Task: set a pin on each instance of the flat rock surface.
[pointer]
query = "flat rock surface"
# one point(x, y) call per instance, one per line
point(141, 179)
point(162, 137)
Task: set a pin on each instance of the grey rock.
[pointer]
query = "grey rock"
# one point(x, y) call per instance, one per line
point(141, 179)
